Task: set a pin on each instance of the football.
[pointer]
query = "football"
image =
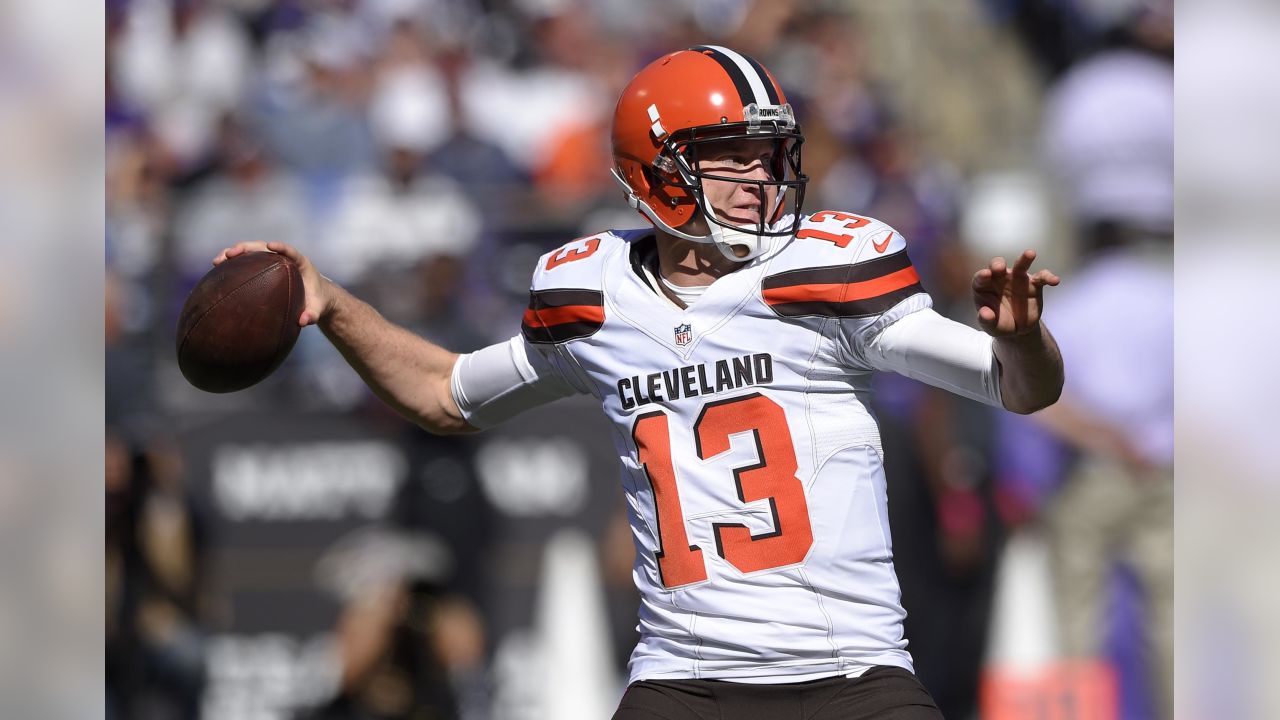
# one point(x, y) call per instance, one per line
point(240, 322)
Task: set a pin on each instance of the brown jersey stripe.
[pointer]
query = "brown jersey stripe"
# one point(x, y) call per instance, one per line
point(546, 317)
point(539, 299)
point(843, 292)
point(840, 274)
point(563, 332)
point(856, 308)
point(556, 316)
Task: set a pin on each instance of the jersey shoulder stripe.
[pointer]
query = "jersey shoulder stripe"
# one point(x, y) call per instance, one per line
point(840, 265)
point(565, 299)
point(859, 290)
point(561, 315)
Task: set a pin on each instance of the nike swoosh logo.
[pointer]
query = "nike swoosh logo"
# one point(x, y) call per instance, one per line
point(880, 246)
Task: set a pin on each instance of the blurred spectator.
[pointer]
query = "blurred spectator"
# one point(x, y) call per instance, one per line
point(1055, 34)
point(1117, 411)
point(402, 638)
point(1109, 136)
point(1059, 34)
point(310, 100)
point(185, 63)
point(400, 236)
point(443, 497)
point(482, 168)
point(572, 171)
point(403, 214)
point(522, 111)
point(246, 198)
point(156, 544)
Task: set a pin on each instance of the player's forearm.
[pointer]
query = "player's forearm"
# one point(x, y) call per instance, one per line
point(407, 372)
point(1031, 371)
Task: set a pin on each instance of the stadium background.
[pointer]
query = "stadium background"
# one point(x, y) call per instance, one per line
point(296, 551)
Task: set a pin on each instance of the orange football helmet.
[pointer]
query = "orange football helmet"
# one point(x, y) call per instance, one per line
point(679, 103)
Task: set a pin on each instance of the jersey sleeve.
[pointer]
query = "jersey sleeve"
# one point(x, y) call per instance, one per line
point(927, 347)
point(883, 317)
point(501, 381)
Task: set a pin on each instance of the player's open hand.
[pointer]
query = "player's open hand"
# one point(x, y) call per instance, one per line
point(1010, 299)
point(315, 285)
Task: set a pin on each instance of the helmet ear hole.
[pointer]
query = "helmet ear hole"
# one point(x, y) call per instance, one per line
point(659, 178)
point(653, 179)
point(664, 187)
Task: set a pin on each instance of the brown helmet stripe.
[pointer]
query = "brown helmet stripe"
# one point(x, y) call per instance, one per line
point(738, 75)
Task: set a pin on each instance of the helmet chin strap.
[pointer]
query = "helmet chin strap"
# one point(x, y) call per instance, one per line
point(724, 238)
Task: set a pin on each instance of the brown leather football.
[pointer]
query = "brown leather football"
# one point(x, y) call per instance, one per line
point(240, 322)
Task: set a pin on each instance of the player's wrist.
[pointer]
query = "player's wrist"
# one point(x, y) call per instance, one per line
point(1027, 337)
point(330, 296)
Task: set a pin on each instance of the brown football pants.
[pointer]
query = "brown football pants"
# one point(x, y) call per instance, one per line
point(882, 693)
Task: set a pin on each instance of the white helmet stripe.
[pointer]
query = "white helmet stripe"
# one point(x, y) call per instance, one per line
point(755, 78)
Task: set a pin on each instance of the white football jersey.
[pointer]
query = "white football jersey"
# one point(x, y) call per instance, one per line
point(751, 465)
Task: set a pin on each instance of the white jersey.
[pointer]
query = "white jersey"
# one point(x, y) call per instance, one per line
point(751, 465)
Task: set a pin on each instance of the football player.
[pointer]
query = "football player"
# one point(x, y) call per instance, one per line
point(731, 344)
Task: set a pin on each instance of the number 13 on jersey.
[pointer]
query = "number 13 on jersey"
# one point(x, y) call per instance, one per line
point(772, 478)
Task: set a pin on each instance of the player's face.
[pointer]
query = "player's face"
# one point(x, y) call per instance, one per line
point(740, 203)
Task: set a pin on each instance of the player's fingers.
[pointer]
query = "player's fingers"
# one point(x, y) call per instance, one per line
point(234, 250)
point(1045, 277)
point(286, 250)
point(226, 253)
point(1023, 263)
point(982, 279)
point(239, 249)
point(999, 271)
point(987, 318)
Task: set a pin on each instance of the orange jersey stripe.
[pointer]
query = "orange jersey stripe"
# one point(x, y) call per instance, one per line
point(549, 316)
point(843, 292)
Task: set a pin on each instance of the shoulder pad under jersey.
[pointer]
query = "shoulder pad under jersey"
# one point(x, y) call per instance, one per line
point(565, 301)
point(840, 265)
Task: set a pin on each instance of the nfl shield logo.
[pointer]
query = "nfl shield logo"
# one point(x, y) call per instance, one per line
point(684, 334)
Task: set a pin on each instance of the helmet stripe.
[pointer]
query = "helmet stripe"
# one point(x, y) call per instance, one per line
point(750, 83)
point(745, 94)
point(764, 78)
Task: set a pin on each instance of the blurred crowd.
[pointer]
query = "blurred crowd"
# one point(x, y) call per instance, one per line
point(424, 152)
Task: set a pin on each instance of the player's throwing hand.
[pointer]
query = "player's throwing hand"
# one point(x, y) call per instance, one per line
point(1009, 300)
point(316, 285)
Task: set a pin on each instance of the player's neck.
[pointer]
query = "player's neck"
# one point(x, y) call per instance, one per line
point(688, 264)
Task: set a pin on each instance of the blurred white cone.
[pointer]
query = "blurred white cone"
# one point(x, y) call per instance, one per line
point(1023, 627)
point(579, 682)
